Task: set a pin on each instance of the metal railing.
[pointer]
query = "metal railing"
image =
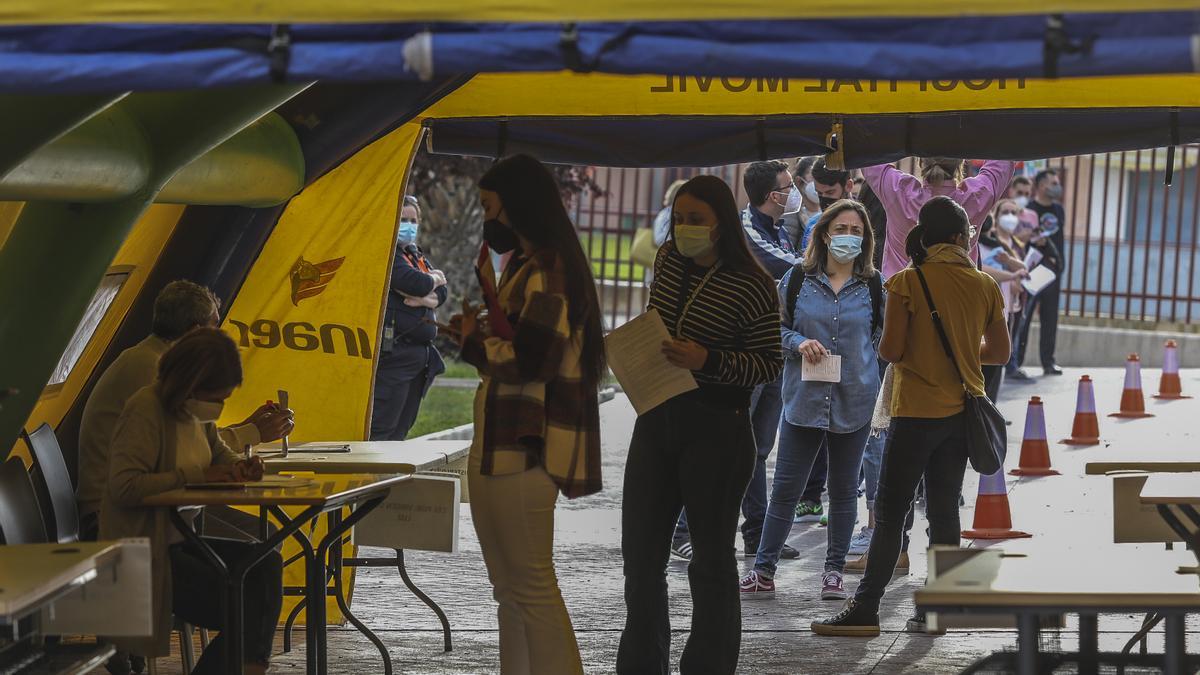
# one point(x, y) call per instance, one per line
point(1131, 240)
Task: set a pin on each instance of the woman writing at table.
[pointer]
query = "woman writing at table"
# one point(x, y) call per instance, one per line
point(540, 356)
point(165, 439)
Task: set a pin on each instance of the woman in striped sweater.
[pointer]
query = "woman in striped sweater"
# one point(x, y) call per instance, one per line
point(697, 450)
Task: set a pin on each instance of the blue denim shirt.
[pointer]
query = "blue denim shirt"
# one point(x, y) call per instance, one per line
point(842, 324)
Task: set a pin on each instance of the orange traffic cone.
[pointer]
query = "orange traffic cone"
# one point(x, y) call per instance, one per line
point(1133, 403)
point(1086, 428)
point(1169, 386)
point(1035, 453)
point(993, 519)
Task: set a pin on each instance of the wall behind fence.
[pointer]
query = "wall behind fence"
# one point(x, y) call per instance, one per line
point(1131, 240)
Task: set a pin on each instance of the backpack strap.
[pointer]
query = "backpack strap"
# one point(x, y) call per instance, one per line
point(795, 281)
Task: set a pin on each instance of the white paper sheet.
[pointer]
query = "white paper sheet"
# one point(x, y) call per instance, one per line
point(1039, 278)
point(1032, 258)
point(636, 358)
point(829, 369)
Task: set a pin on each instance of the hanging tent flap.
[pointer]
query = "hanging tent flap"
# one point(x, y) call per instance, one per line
point(866, 139)
point(118, 57)
point(298, 11)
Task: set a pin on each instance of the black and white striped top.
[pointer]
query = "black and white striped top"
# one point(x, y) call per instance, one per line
point(735, 316)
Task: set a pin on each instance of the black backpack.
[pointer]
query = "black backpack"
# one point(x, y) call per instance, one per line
point(874, 285)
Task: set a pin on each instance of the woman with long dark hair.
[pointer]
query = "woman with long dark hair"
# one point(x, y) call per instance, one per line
point(928, 431)
point(697, 450)
point(540, 354)
point(166, 438)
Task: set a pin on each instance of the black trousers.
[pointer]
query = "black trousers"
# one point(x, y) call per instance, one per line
point(1046, 306)
point(197, 600)
point(684, 453)
point(931, 448)
point(401, 380)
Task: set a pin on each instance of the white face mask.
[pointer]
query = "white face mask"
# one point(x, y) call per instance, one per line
point(1008, 222)
point(810, 191)
point(204, 411)
point(693, 240)
point(794, 202)
point(1022, 201)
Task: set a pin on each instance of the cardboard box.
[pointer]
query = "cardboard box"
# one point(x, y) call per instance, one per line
point(420, 514)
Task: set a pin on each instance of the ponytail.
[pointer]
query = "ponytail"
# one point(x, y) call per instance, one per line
point(937, 170)
point(914, 245)
point(940, 221)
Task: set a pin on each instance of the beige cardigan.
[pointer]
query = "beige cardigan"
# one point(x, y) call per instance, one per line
point(135, 368)
point(142, 463)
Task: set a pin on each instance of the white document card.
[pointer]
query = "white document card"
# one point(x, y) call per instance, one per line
point(828, 370)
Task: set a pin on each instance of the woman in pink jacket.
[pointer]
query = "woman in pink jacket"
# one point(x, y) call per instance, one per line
point(903, 195)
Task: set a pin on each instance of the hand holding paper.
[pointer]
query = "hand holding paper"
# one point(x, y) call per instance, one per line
point(636, 356)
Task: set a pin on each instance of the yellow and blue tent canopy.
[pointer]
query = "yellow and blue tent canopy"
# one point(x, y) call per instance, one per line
point(152, 101)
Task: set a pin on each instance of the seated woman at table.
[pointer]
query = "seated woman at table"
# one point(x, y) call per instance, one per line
point(166, 438)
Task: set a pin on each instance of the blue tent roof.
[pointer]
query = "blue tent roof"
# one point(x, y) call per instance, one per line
point(63, 59)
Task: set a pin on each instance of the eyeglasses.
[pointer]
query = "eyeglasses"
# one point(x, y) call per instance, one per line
point(784, 188)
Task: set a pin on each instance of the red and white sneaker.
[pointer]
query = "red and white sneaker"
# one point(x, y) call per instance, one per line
point(831, 586)
point(756, 586)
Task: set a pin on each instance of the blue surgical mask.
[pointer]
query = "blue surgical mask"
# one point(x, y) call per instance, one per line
point(407, 232)
point(845, 247)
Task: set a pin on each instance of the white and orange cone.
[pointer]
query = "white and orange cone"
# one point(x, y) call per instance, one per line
point(993, 518)
point(1035, 451)
point(1133, 402)
point(1086, 428)
point(1170, 388)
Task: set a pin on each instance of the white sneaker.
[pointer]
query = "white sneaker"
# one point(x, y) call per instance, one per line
point(861, 541)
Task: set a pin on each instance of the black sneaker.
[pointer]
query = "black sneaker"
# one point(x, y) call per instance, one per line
point(786, 553)
point(855, 620)
point(917, 624)
point(1052, 370)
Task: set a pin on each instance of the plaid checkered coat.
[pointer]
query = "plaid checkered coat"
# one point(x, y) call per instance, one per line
point(533, 407)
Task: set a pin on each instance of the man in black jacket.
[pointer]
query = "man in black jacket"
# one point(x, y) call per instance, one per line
point(408, 361)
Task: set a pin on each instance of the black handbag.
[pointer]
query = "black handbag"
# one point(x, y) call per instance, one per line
point(987, 438)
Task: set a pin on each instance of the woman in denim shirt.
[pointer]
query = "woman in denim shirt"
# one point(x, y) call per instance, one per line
point(832, 315)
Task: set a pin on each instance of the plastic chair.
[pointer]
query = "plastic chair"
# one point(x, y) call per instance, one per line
point(20, 514)
point(53, 485)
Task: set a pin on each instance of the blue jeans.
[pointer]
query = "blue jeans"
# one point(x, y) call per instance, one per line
point(798, 447)
point(872, 461)
point(766, 406)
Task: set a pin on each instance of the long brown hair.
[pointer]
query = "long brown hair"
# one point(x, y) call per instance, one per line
point(732, 249)
point(534, 204)
point(203, 360)
point(816, 256)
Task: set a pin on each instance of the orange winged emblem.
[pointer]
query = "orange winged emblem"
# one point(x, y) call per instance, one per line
point(310, 279)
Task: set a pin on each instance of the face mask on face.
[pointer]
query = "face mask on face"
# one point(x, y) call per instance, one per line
point(845, 247)
point(205, 411)
point(499, 237)
point(407, 232)
point(1054, 192)
point(827, 202)
point(1021, 201)
point(794, 202)
point(810, 191)
point(1008, 222)
point(693, 240)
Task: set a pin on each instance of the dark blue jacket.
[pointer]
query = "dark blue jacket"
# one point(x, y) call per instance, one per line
point(407, 279)
point(769, 242)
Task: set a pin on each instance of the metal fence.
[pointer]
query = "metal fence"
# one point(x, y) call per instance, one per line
point(1131, 239)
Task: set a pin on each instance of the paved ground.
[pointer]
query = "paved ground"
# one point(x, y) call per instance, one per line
point(1068, 514)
